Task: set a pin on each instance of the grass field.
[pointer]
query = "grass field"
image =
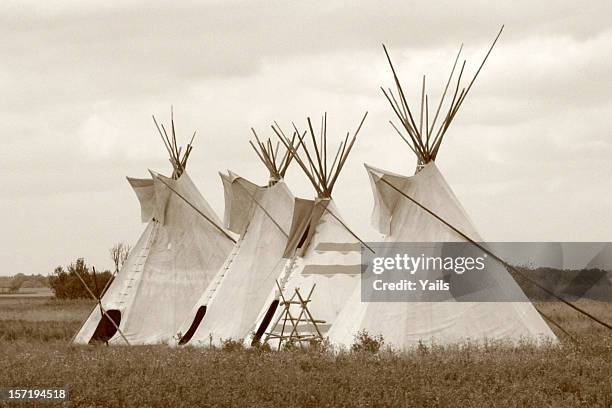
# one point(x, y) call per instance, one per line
point(35, 351)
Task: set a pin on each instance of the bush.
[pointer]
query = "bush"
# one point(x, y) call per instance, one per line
point(231, 345)
point(67, 285)
point(321, 345)
point(366, 343)
point(291, 345)
point(261, 347)
point(313, 345)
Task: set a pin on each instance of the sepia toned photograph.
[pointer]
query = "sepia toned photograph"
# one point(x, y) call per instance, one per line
point(306, 204)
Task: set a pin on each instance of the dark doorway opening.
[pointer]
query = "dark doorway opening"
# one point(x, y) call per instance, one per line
point(106, 329)
point(303, 238)
point(194, 326)
point(265, 322)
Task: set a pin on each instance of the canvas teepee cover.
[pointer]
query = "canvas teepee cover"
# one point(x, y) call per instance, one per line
point(174, 260)
point(262, 217)
point(321, 250)
point(404, 324)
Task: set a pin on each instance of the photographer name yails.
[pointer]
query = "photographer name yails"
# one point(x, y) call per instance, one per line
point(438, 284)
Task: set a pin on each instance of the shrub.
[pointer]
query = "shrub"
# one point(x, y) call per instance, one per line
point(364, 342)
point(262, 347)
point(231, 345)
point(292, 345)
point(422, 348)
point(67, 285)
point(321, 345)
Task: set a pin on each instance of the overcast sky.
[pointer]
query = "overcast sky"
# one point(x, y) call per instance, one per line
point(529, 154)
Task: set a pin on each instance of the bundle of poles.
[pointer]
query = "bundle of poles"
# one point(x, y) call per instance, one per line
point(425, 140)
point(315, 163)
point(268, 154)
point(179, 163)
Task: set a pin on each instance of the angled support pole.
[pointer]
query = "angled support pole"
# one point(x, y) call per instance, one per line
point(498, 259)
point(101, 308)
point(221, 230)
point(349, 230)
point(262, 208)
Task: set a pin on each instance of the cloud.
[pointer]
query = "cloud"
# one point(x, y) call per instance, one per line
point(99, 138)
point(79, 82)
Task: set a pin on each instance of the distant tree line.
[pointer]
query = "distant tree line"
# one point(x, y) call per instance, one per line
point(65, 282)
point(595, 284)
point(12, 284)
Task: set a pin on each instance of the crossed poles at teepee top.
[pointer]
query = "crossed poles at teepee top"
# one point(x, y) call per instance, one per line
point(98, 298)
point(304, 317)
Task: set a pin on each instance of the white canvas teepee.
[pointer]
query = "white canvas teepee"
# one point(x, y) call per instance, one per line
point(396, 214)
point(404, 324)
point(174, 260)
point(262, 217)
point(321, 250)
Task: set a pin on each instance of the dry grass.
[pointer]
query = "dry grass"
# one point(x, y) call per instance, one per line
point(34, 332)
point(494, 375)
point(35, 309)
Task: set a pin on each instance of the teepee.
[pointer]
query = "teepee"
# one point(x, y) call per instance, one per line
point(261, 216)
point(321, 250)
point(423, 209)
point(175, 259)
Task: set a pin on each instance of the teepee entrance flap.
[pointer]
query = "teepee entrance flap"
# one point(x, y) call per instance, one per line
point(306, 217)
